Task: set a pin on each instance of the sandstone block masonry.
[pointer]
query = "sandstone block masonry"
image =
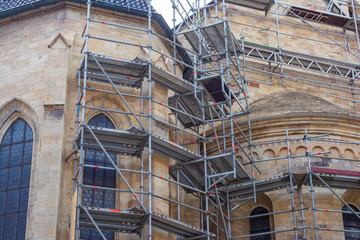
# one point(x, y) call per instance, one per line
point(39, 57)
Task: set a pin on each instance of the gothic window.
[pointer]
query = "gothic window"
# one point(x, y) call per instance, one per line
point(15, 167)
point(351, 222)
point(260, 224)
point(100, 178)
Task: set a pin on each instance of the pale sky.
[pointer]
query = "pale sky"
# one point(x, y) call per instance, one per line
point(164, 7)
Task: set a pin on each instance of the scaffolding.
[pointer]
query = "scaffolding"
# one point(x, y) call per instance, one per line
point(285, 64)
point(206, 106)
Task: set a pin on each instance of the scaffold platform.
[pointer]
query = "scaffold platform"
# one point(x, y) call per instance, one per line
point(111, 219)
point(316, 15)
point(189, 104)
point(121, 72)
point(204, 117)
point(167, 79)
point(131, 73)
point(132, 221)
point(218, 43)
point(262, 186)
point(192, 175)
point(262, 5)
point(132, 141)
point(215, 87)
point(335, 178)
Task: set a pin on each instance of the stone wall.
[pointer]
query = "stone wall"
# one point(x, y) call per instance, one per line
point(38, 65)
point(38, 83)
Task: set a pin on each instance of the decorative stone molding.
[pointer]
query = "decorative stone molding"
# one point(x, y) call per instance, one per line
point(9, 113)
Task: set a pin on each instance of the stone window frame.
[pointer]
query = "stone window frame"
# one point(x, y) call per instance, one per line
point(269, 209)
point(9, 113)
point(269, 216)
point(21, 165)
point(342, 215)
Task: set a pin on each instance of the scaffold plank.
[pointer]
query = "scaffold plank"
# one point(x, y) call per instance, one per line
point(214, 36)
point(262, 186)
point(193, 38)
point(131, 222)
point(262, 5)
point(225, 164)
point(177, 227)
point(272, 184)
point(193, 175)
point(190, 176)
point(132, 141)
point(115, 141)
point(112, 219)
point(215, 87)
point(191, 105)
point(122, 72)
point(316, 15)
point(167, 79)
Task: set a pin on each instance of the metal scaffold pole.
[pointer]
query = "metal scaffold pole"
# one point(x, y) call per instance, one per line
point(302, 211)
point(149, 120)
point(279, 42)
point(82, 125)
point(211, 154)
point(291, 184)
point(311, 184)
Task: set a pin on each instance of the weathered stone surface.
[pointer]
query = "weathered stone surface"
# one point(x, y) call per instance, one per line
point(38, 83)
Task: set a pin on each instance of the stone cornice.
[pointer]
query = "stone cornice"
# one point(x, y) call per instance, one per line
point(337, 125)
point(265, 128)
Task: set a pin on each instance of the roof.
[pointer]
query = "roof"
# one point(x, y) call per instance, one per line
point(6, 5)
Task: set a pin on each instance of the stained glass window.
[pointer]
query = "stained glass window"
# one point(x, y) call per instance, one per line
point(351, 222)
point(98, 177)
point(15, 168)
point(260, 224)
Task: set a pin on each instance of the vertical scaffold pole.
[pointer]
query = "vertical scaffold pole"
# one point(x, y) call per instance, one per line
point(77, 122)
point(142, 187)
point(311, 184)
point(279, 43)
point(355, 23)
point(82, 154)
point(227, 72)
point(291, 183)
point(228, 211)
point(150, 121)
point(302, 214)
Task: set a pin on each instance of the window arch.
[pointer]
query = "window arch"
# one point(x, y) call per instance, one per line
point(98, 177)
point(260, 224)
point(351, 222)
point(15, 167)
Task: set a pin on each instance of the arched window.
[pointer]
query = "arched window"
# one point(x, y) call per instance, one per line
point(100, 178)
point(15, 167)
point(260, 224)
point(351, 222)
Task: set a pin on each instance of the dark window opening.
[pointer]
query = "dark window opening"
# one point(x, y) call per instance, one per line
point(260, 224)
point(98, 177)
point(351, 222)
point(15, 168)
